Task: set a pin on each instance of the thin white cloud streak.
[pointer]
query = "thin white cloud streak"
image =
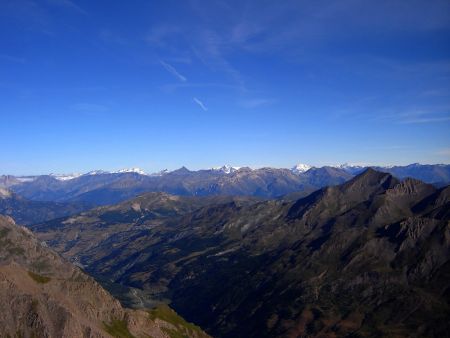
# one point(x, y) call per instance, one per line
point(430, 114)
point(289, 27)
point(68, 4)
point(256, 103)
point(175, 86)
point(173, 71)
point(426, 120)
point(200, 103)
point(160, 34)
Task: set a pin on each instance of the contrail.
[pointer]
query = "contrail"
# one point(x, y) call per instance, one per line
point(200, 103)
point(173, 71)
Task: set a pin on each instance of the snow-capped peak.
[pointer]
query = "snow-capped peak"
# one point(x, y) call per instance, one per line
point(65, 177)
point(301, 168)
point(24, 179)
point(97, 172)
point(160, 173)
point(351, 168)
point(130, 170)
point(227, 169)
point(121, 171)
point(350, 165)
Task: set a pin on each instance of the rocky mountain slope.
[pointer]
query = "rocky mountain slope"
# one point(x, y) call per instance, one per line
point(41, 295)
point(367, 258)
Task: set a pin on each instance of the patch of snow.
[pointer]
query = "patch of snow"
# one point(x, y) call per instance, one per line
point(226, 169)
point(130, 170)
point(414, 165)
point(23, 179)
point(97, 172)
point(160, 173)
point(301, 168)
point(351, 166)
point(65, 177)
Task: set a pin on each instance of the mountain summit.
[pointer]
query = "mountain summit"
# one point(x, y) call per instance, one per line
point(301, 168)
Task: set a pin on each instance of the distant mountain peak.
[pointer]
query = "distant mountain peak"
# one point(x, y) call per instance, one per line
point(160, 173)
point(370, 173)
point(182, 170)
point(227, 169)
point(121, 171)
point(65, 177)
point(301, 168)
point(96, 172)
point(130, 170)
point(352, 168)
point(371, 178)
point(350, 165)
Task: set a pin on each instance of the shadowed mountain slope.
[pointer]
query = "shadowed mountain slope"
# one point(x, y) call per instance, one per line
point(29, 212)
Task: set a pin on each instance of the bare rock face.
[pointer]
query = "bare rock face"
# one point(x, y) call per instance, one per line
point(42, 295)
point(4, 193)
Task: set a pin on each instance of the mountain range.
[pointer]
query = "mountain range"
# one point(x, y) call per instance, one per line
point(102, 188)
point(369, 257)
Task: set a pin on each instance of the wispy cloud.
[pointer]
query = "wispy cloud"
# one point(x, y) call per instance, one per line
point(200, 103)
point(29, 13)
point(38, 16)
point(431, 113)
point(173, 71)
point(220, 30)
point(425, 120)
point(256, 102)
point(89, 108)
point(111, 37)
point(441, 92)
point(67, 4)
point(161, 34)
point(174, 86)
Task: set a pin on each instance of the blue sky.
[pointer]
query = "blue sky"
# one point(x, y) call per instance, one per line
point(161, 84)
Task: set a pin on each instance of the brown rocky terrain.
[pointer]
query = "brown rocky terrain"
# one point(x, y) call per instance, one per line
point(42, 295)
